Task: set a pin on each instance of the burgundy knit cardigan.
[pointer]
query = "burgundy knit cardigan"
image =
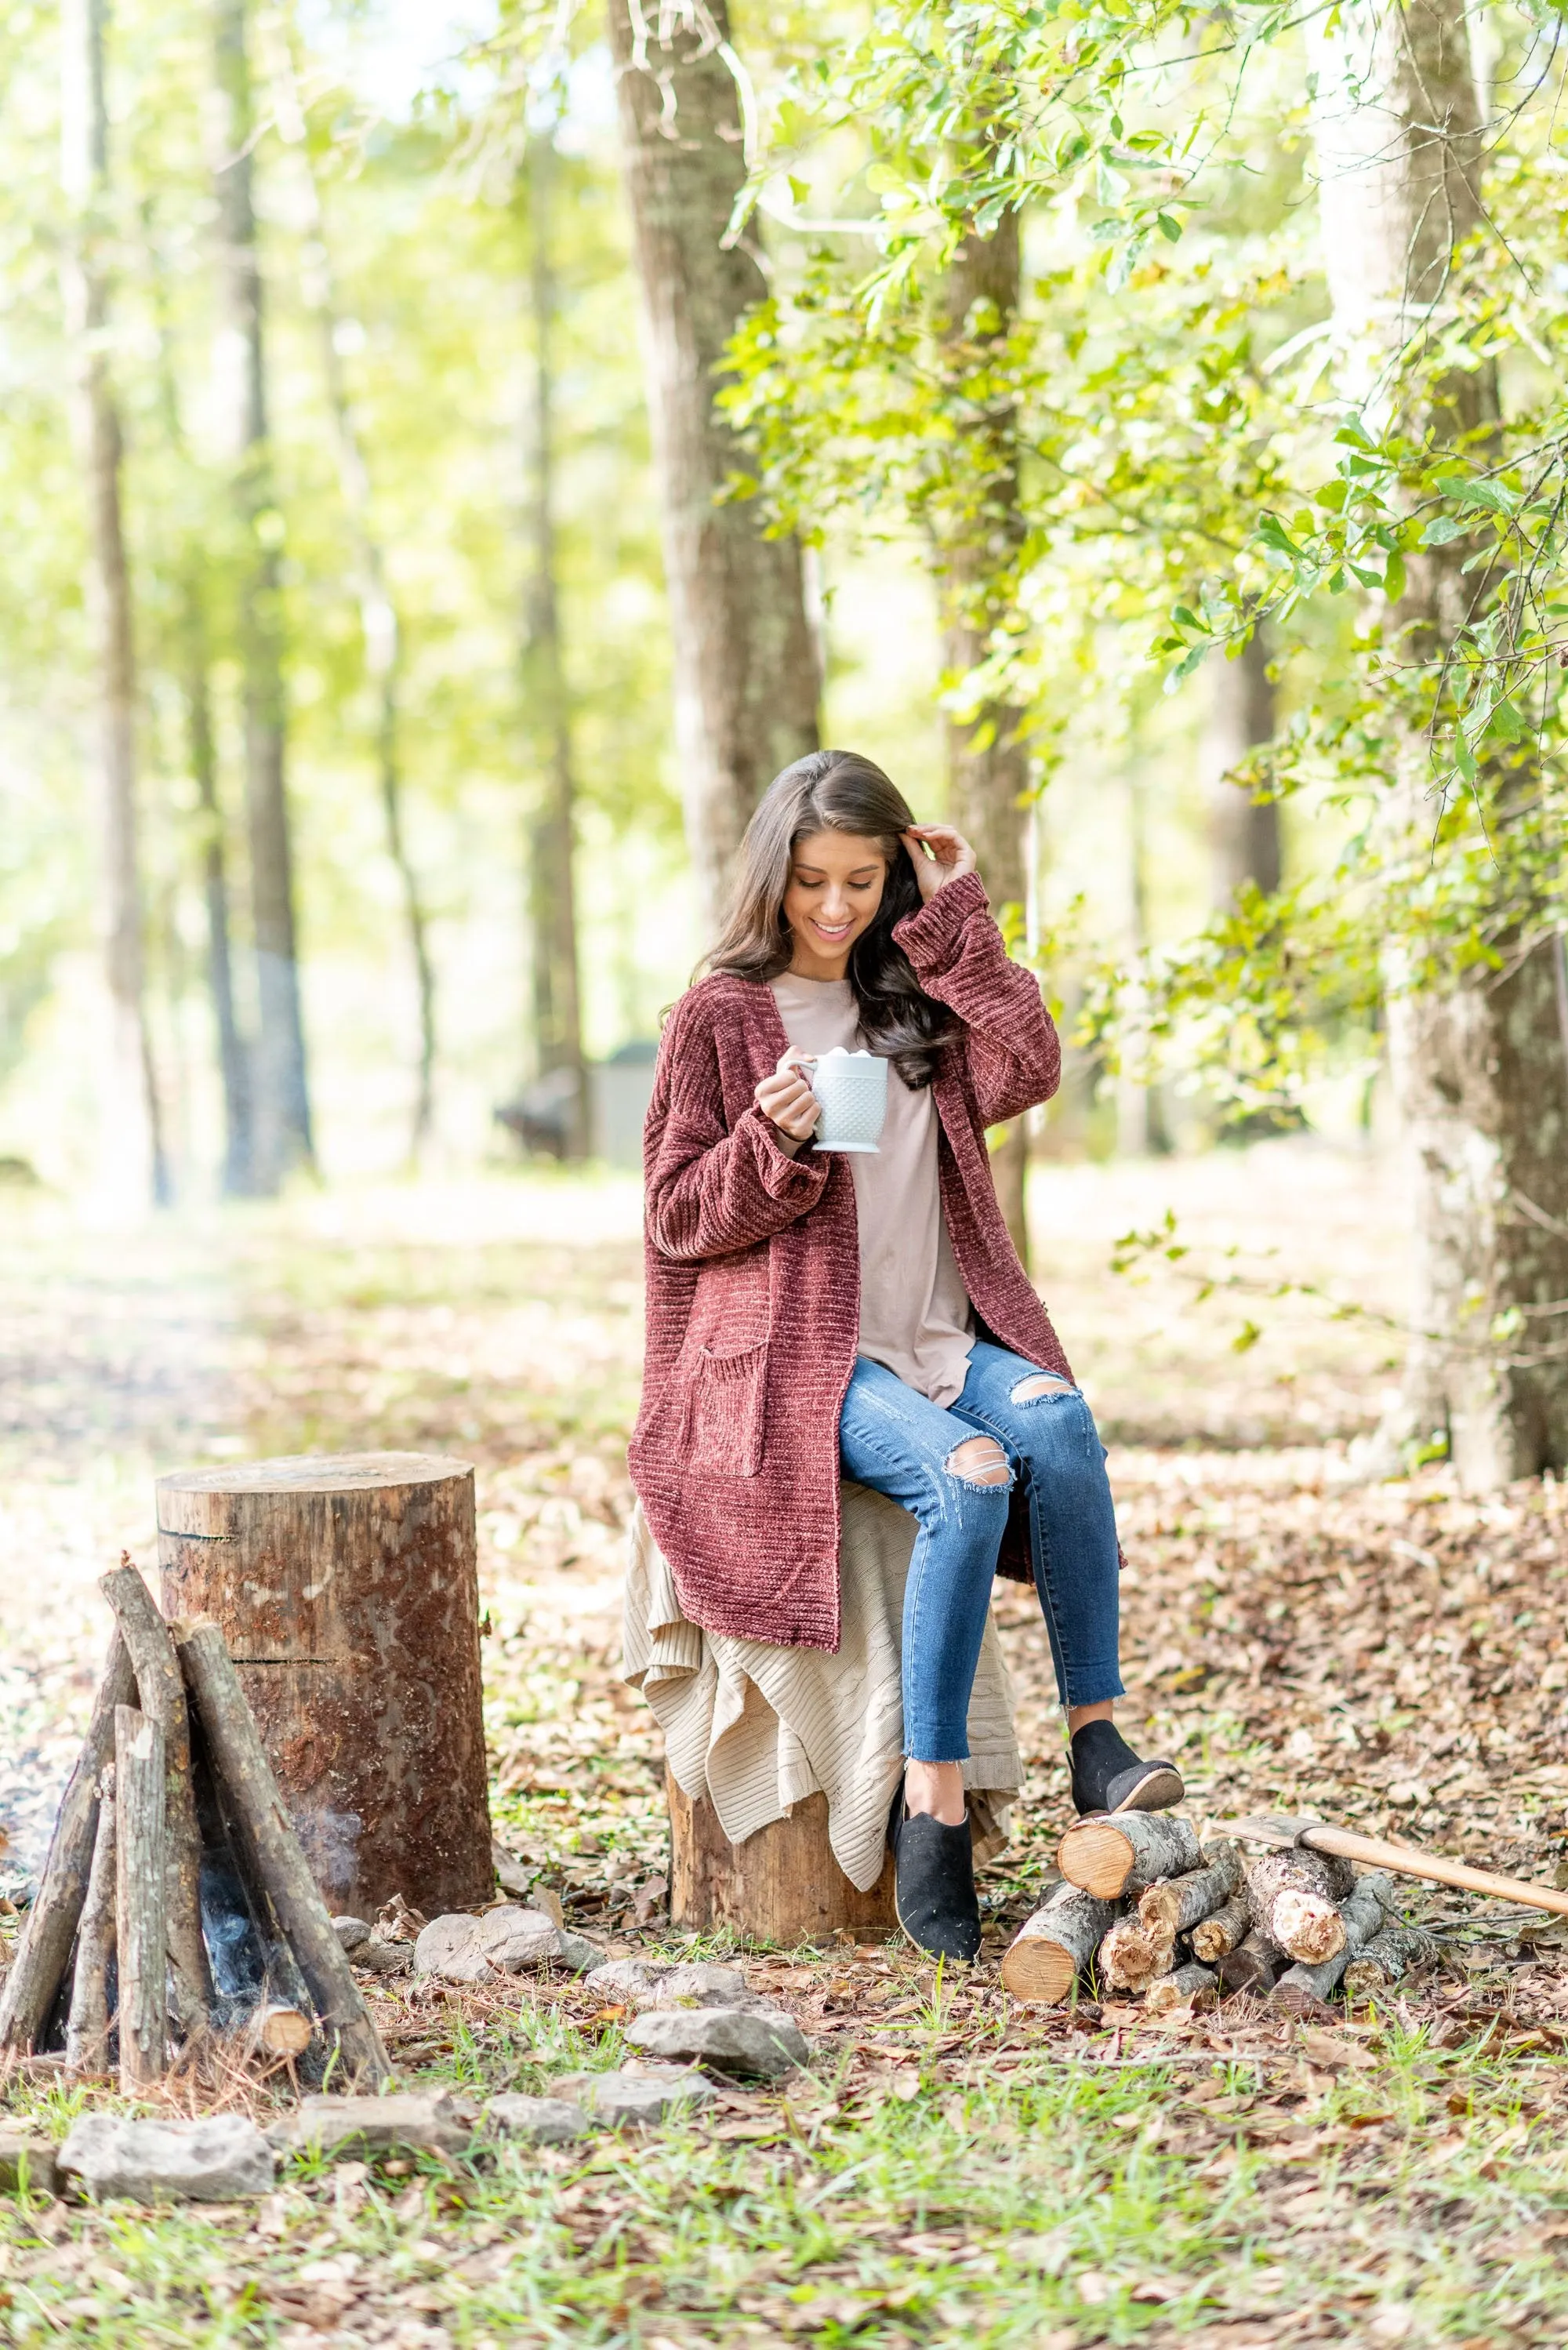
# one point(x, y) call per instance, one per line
point(753, 1275)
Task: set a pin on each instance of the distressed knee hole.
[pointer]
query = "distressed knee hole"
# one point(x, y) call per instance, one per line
point(979, 1460)
point(1040, 1383)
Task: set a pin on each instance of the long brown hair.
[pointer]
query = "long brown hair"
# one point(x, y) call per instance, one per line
point(838, 791)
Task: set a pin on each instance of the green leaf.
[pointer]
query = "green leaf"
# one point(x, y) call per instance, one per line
point(1442, 530)
point(1394, 578)
point(1246, 1338)
point(1169, 229)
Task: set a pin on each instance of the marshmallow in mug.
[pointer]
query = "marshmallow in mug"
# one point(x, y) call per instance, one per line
point(853, 1090)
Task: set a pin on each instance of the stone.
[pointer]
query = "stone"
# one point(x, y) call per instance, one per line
point(576, 1953)
point(638, 2097)
point(26, 2158)
point(539, 2121)
point(731, 2039)
point(217, 2160)
point(408, 2122)
point(459, 1948)
point(380, 1958)
point(644, 1982)
point(351, 1931)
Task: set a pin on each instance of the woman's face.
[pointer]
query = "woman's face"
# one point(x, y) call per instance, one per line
point(836, 883)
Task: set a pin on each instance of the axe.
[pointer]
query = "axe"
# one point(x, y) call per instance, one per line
point(1404, 1859)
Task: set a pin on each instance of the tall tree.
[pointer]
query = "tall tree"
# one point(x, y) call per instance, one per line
point(193, 665)
point(132, 1124)
point(1480, 1065)
point(1243, 831)
point(978, 544)
point(747, 686)
point(552, 893)
point(380, 621)
point(280, 1093)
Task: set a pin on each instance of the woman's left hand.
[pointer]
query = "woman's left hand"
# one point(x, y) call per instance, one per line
point(950, 856)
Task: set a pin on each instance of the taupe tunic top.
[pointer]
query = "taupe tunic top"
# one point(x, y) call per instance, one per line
point(915, 1315)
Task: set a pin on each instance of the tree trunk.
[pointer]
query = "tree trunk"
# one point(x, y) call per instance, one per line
point(1479, 1070)
point(280, 1098)
point(1243, 833)
point(988, 766)
point(132, 1136)
point(345, 1587)
point(234, 1052)
point(552, 886)
point(746, 678)
point(1141, 1129)
point(781, 1886)
point(379, 620)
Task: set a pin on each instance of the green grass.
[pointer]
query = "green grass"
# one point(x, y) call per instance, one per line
point(1020, 2190)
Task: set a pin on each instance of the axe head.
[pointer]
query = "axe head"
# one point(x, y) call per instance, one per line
point(1275, 1829)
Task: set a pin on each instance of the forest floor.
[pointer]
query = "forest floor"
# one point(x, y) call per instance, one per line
point(953, 2165)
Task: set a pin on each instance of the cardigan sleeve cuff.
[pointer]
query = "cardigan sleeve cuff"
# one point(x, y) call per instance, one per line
point(784, 1178)
point(933, 938)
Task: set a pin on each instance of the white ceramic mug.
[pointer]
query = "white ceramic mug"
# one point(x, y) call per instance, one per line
point(853, 1090)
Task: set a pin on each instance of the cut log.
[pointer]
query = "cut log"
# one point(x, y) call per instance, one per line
point(1295, 1897)
point(1362, 1917)
point(1253, 1966)
point(272, 1850)
point(1176, 1904)
point(1391, 1954)
point(277, 2031)
point(1187, 1986)
point(1053, 1948)
point(346, 1591)
point(161, 1689)
point(1223, 1931)
point(782, 1885)
point(1108, 1857)
point(1132, 1955)
point(87, 2032)
point(40, 1963)
point(141, 1859)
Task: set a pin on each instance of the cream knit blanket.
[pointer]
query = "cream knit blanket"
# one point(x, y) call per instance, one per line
point(758, 1727)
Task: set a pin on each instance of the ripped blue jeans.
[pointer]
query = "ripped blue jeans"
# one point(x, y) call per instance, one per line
point(894, 1439)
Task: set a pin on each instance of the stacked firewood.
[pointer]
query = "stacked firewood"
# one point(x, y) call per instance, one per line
point(1157, 1914)
point(176, 1909)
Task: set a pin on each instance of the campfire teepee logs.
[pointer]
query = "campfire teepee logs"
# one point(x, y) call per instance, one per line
point(173, 1862)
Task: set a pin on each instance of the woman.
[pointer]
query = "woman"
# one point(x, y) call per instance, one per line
point(808, 1311)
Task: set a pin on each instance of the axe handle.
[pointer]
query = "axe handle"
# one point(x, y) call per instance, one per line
point(1406, 1862)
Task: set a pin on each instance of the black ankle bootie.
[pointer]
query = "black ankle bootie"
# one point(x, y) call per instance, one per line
point(1107, 1776)
point(933, 1884)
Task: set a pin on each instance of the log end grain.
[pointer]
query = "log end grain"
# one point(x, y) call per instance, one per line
point(1105, 1856)
point(1307, 1926)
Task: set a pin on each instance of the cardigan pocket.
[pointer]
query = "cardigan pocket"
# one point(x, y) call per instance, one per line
point(726, 1411)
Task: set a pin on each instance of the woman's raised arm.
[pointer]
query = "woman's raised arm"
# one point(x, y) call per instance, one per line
point(956, 950)
point(711, 1189)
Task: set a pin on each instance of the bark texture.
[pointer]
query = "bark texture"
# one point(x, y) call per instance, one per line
point(1113, 1856)
point(1243, 833)
point(1387, 1957)
point(781, 1886)
point(87, 2032)
point(1187, 1986)
point(280, 1097)
point(272, 1853)
point(1053, 1948)
point(161, 1690)
point(747, 684)
point(1303, 1985)
point(1481, 1070)
point(988, 764)
point(140, 1858)
point(1253, 1966)
point(551, 838)
point(40, 1962)
point(1295, 1897)
point(1177, 1904)
point(131, 1119)
point(346, 1588)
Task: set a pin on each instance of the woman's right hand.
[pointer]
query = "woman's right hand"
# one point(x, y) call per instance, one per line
point(788, 1101)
